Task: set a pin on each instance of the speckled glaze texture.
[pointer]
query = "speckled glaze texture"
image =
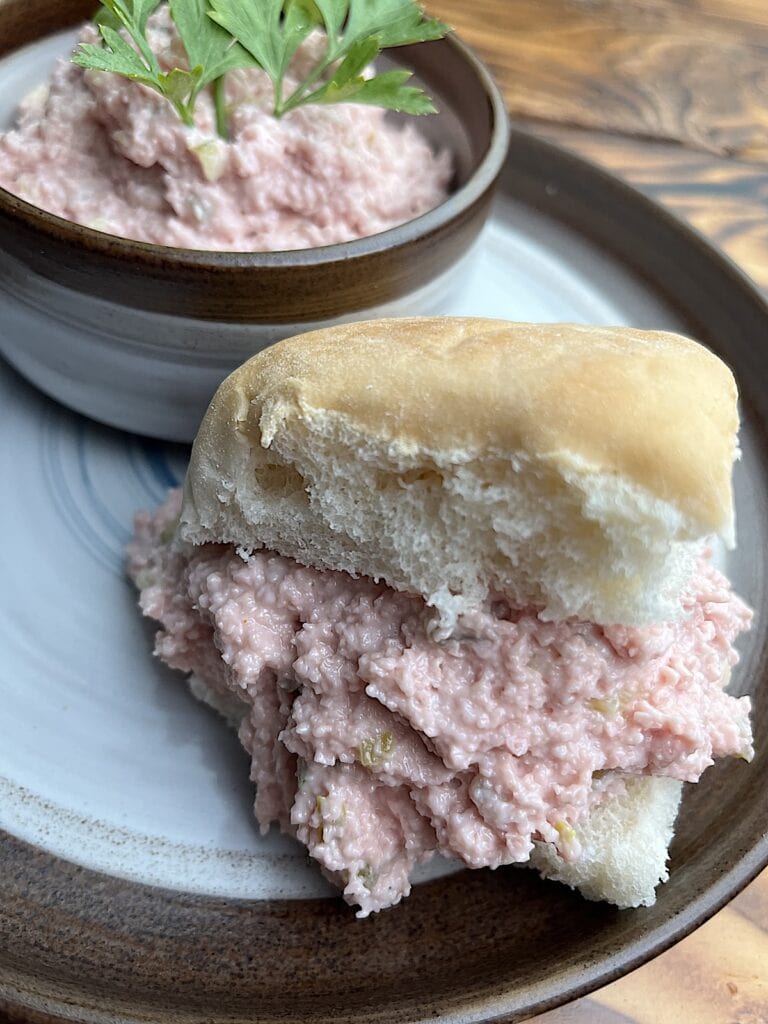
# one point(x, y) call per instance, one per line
point(478, 946)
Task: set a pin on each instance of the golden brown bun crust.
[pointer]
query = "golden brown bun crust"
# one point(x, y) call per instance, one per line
point(577, 470)
point(654, 408)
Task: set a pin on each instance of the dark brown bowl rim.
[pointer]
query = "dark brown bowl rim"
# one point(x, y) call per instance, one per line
point(480, 182)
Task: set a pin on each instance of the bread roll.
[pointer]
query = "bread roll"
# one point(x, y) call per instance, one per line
point(579, 473)
point(625, 843)
point(573, 471)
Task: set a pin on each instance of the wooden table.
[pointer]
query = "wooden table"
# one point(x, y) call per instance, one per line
point(671, 95)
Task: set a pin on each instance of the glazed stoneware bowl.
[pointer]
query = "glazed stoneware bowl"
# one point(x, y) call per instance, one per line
point(139, 336)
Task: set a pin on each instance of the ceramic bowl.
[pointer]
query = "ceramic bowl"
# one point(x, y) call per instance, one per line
point(139, 336)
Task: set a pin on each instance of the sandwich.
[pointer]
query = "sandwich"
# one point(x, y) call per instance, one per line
point(453, 581)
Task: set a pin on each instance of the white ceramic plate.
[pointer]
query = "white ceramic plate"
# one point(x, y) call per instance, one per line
point(105, 759)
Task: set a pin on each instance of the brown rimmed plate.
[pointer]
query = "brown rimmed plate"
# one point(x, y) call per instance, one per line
point(565, 241)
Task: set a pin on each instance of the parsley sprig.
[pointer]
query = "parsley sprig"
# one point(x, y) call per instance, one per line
point(211, 52)
point(219, 36)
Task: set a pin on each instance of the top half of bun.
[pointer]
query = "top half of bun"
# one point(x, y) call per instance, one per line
point(574, 468)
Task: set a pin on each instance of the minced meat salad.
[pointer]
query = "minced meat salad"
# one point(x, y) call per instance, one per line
point(378, 746)
point(109, 153)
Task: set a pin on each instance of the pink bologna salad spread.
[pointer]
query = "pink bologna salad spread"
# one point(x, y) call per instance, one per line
point(111, 154)
point(377, 746)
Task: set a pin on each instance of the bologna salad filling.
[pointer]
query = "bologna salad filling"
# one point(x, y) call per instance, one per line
point(377, 746)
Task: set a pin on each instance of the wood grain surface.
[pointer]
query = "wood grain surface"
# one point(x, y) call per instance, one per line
point(725, 199)
point(672, 95)
point(685, 70)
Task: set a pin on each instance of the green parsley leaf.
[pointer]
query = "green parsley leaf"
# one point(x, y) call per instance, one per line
point(209, 48)
point(223, 35)
point(298, 21)
point(207, 45)
point(138, 63)
point(96, 57)
point(386, 90)
point(117, 55)
point(132, 15)
point(395, 22)
point(142, 9)
point(333, 13)
point(107, 17)
point(356, 31)
point(358, 57)
point(271, 32)
point(256, 26)
point(178, 84)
